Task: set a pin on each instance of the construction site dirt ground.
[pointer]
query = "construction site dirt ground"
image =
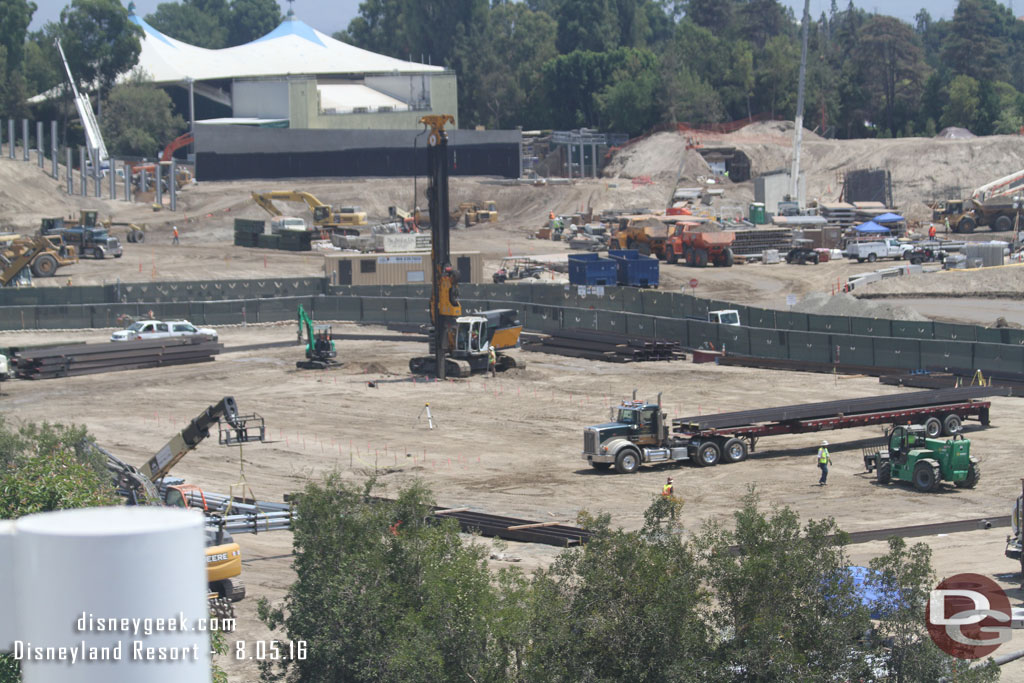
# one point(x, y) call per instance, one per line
point(508, 445)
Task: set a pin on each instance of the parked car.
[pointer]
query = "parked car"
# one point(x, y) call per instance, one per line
point(183, 328)
point(159, 329)
point(143, 329)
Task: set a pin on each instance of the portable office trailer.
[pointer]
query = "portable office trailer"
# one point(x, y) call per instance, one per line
point(397, 269)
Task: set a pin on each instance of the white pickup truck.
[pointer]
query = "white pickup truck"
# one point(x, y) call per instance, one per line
point(890, 247)
point(159, 329)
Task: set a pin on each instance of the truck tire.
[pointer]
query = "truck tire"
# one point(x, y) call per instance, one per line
point(688, 256)
point(627, 461)
point(951, 425)
point(600, 466)
point(670, 254)
point(727, 258)
point(966, 225)
point(708, 454)
point(99, 253)
point(973, 475)
point(1002, 223)
point(45, 265)
point(883, 475)
point(734, 450)
point(140, 237)
point(872, 257)
point(932, 428)
point(926, 476)
point(700, 257)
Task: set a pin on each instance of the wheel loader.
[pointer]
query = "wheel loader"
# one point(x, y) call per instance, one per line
point(910, 456)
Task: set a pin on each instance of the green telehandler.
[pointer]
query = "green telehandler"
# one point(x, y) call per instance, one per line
point(909, 455)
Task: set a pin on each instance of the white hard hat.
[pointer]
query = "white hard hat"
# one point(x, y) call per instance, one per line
point(824, 443)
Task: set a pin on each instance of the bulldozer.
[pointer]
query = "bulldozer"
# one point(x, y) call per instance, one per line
point(459, 344)
point(909, 455)
point(41, 255)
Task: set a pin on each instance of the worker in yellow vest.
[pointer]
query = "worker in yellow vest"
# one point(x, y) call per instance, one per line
point(824, 460)
point(492, 360)
point(667, 489)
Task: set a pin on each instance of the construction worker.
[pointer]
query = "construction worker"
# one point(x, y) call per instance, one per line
point(492, 361)
point(824, 460)
point(931, 231)
point(175, 233)
point(947, 223)
point(667, 489)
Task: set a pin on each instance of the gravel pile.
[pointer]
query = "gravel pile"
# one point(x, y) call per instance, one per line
point(847, 305)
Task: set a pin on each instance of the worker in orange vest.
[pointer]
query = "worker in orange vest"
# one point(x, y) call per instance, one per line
point(931, 231)
point(667, 489)
point(175, 233)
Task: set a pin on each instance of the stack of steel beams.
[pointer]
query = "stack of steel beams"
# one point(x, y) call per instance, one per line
point(606, 346)
point(87, 359)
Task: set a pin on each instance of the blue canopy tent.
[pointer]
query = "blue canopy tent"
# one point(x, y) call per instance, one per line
point(871, 227)
point(889, 218)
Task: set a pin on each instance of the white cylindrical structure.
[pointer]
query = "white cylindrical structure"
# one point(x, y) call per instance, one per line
point(121, 589)
point(7, 592)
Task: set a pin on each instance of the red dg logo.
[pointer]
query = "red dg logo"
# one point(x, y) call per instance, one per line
point(969, 616)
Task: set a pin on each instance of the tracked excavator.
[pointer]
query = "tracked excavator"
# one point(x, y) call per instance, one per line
point(147, 486)
point(459, 344)
point(325, 217)
point(320, 351)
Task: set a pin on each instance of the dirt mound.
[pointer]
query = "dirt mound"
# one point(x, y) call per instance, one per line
point(774, 129)
point(847, 305)
point(662, 156)
point(954, 283)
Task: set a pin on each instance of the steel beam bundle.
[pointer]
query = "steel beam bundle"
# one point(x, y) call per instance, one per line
point(512, 529)
point(753, 242)
point(87, 359)
point(606, 346)
point(845, 407)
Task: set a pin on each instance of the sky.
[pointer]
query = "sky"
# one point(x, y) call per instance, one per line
point(330, 16)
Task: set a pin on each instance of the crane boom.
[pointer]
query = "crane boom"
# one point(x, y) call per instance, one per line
point(1006, 185)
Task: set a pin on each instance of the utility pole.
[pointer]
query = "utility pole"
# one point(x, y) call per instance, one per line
point(798, 133)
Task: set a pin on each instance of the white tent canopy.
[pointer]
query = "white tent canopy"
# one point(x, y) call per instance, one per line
point(293, 47)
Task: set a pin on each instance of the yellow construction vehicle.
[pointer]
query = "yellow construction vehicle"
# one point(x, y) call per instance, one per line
point(459, 344)
point(146, 486)
point(42, 255)
point(324, 216)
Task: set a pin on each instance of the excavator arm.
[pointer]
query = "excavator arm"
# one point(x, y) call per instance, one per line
point(305, 326)
point(177, 143)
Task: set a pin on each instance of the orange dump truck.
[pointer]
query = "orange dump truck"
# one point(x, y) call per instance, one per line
point(698, 246)
point(645, 233)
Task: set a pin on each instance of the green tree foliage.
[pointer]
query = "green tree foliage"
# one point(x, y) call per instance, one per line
point(216, 24)
point(381, 594)
point(629, 103)
point(905, 574)
point(139, 118)
point(977, 45)
point(252, 19)
point(99, 40)
point(15, 16)
point(963, 105)
point(892, 68)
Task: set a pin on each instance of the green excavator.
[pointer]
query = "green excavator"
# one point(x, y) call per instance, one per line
point(320, 351)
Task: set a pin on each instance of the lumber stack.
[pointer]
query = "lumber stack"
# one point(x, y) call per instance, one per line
point(605, 346)
point(87, 359)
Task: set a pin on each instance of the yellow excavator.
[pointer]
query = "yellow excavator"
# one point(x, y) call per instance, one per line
point(324, 216)
point(459, 344)
point(146, 486)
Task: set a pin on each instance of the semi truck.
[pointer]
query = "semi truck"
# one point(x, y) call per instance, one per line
point(640, 432)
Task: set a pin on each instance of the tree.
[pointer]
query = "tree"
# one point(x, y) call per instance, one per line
point(379, 27)
point(100, 41)
point(382, 594)
point(140, 118)
point(252, 19)
point(188, 23)
point(590, 25)
point(904, 575)
point(963, 105)
point(892, 68)
point(786, 609)
point(977, 45)
point(776, 71)
point(15, 16)
point(625, 607)
point(629, 103)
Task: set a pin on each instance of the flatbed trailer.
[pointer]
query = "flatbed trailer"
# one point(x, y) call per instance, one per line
point(640, 434)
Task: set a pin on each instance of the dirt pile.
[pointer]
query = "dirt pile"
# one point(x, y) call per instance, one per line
point(954, 283)
point(847, 305)
point(923, 169)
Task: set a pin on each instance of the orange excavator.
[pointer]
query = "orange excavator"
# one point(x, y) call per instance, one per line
point(177, 143)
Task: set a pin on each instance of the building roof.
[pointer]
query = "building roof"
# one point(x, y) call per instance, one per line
point(293, 47)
